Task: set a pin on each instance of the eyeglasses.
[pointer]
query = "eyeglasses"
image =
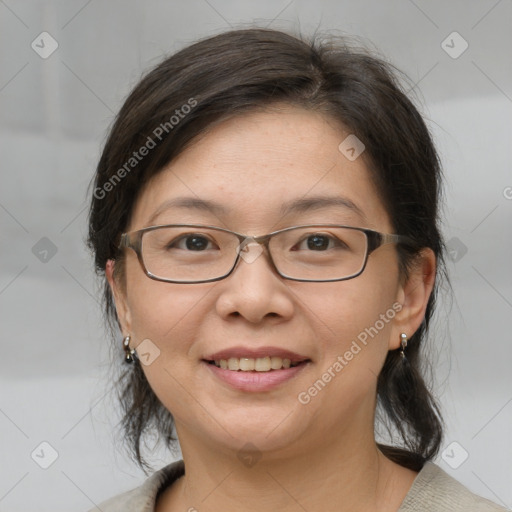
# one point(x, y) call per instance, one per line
point(193, 253)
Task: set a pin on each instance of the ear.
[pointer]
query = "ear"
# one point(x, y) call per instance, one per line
point(122, 308)
point(413, 295)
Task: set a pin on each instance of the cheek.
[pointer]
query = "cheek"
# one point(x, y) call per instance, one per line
point(353, 317)
point(166, 322)
point(352, 329)
point(162, 311)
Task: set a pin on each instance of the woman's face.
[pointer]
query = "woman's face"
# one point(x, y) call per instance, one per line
point(255, 168)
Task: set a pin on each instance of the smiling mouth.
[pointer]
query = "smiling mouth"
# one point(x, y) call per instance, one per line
point(260, 364)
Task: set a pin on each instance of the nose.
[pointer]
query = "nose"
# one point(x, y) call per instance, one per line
point(255, 290)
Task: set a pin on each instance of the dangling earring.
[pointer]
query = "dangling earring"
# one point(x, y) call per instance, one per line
point(403, 343)
point(129, 353)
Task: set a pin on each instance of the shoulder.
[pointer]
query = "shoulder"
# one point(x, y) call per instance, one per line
point(435, 490)
point(143, 498)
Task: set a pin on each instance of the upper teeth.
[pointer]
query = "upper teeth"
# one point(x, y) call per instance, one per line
point(260, 364)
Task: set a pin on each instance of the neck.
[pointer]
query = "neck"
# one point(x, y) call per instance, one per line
point(350, 474)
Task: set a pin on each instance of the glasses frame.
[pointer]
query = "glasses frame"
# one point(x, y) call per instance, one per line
point(133, 240)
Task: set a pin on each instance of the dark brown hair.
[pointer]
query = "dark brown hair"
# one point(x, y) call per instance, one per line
point(241, 71)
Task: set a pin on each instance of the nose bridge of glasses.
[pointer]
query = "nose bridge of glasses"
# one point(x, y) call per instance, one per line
point(261, 241)
point(251, 247)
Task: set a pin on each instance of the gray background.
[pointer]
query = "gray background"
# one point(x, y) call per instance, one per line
point(54, 115)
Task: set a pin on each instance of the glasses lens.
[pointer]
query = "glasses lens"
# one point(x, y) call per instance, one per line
point(191, 253)
point(319, 253)
point(188, 253)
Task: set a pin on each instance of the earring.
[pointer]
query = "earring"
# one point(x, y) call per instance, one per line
point(403, 343)
point(130, 353)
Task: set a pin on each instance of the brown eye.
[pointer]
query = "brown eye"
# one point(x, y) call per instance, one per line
point(193, 242)
point(319, 242)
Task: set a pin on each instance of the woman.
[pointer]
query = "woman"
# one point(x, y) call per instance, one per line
point(265, 215)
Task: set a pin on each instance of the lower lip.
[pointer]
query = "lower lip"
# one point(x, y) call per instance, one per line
point(255, 381)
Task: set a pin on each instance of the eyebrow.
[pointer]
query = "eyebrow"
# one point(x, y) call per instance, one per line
point(190, 203)
point(303, 205)
point(307, 204)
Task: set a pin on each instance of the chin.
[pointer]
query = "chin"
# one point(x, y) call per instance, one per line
point(265, 430)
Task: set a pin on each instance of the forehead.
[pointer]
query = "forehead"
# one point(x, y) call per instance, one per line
point(250, 171)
